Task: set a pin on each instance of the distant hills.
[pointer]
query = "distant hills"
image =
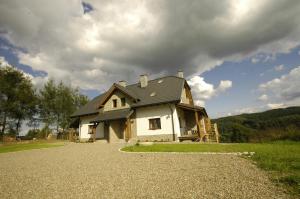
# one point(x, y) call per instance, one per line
point(276, 124)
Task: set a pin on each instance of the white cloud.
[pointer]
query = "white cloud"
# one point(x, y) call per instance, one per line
point(122, 39)
point(279, 67)
point(3, 62)
point(275, 106)
point(246, 110)
point(254, 60)
point(285, 88)
point(263, 97)
point(203, 91)
point(224, 85)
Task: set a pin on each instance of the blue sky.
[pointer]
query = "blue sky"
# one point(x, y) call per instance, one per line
point(246, 77)
point(239, 57)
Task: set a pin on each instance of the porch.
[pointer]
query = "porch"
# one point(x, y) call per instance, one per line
point(115, 125)
point(195, 124)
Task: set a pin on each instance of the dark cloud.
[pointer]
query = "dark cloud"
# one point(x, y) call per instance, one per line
point(122, 39)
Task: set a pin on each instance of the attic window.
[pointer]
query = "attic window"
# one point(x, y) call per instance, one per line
point(123, 101)
point(152, 94)
point(114, 103)
point(160, 81)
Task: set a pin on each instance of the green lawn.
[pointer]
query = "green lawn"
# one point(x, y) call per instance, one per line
point(282, 159)
point(28, 146)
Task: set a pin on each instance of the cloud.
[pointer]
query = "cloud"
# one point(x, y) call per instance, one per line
point(254, 60)
point(276, 106)
point(203, 91)
point(263, 97)
point(100, 42)
point(279, 67)
point(285, 88)
point(3, 62)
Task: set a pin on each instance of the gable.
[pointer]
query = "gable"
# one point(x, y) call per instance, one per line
point(111, 91)
point(186, 95)
point(117, 96)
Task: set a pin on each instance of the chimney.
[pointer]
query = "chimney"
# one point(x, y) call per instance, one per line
point(180, 73)
point(122, 83)
point(143, 81)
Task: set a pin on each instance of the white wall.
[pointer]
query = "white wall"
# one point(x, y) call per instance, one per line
point(180, 114)
point(163, 112)
point(84, 128)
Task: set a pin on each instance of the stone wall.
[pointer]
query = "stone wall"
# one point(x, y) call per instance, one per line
point(158, 138)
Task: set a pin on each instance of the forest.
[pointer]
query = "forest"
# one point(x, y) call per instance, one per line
point(271, 125)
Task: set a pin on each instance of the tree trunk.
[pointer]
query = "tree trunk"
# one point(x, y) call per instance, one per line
point(3, 127)
point(18, 126)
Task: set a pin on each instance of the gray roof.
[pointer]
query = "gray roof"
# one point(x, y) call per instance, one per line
point(161, 90)
point(90, 108)
point(112, 115)
point(167, 91)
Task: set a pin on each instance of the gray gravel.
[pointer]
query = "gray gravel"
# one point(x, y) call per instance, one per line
point(98, 170)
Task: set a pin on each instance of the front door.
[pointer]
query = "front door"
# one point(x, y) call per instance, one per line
point(127, 130)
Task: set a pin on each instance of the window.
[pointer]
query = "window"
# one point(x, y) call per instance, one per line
point(154, 124)
point(115, 103)
point(123, 101)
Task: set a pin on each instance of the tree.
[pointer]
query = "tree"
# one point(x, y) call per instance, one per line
point(17, 97)
point(58, 102)
point(47, 106)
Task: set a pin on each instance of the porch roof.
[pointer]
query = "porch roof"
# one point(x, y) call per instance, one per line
point(112, 115)
point(192, 107)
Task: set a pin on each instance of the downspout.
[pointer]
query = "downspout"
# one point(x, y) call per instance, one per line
point(172, 121)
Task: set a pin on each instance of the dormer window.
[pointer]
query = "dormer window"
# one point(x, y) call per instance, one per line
point(115, 103)
point(123, 101)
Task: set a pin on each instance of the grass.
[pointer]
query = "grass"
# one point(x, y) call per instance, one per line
point(281, 159)
point(6, 148)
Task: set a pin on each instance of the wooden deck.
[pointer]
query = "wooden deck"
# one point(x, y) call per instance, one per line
point(193, 138)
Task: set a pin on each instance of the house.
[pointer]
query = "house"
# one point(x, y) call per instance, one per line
point(152, 110)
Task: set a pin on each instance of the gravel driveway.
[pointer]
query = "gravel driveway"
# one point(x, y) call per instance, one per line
point(98, 170)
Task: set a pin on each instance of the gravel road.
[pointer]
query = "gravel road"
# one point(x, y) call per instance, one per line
point(98, 170)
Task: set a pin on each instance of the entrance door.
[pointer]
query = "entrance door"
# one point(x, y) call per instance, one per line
point(92, 131)
point(127, 130)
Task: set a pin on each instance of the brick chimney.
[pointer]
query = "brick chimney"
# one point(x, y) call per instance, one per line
point(122, 83)
point(143, 81)
point(180, 73)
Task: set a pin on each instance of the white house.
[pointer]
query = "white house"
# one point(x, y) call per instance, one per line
point(152, 110)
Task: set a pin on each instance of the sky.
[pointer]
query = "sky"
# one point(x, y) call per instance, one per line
point(239, 56)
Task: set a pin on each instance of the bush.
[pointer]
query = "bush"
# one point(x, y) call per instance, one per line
point(32, 133)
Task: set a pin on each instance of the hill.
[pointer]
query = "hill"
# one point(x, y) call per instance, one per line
point(276, 124)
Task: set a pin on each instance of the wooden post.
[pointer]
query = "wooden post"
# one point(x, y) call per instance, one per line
point(216, 132)
point(70, 135)
point(127, 130)
point(197, 123)
point(94, 132)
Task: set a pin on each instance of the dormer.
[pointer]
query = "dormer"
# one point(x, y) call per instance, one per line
point(117, 98)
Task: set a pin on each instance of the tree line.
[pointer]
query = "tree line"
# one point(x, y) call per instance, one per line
point(49, 107)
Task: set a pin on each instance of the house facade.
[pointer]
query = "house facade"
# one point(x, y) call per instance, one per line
point(150, 110)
